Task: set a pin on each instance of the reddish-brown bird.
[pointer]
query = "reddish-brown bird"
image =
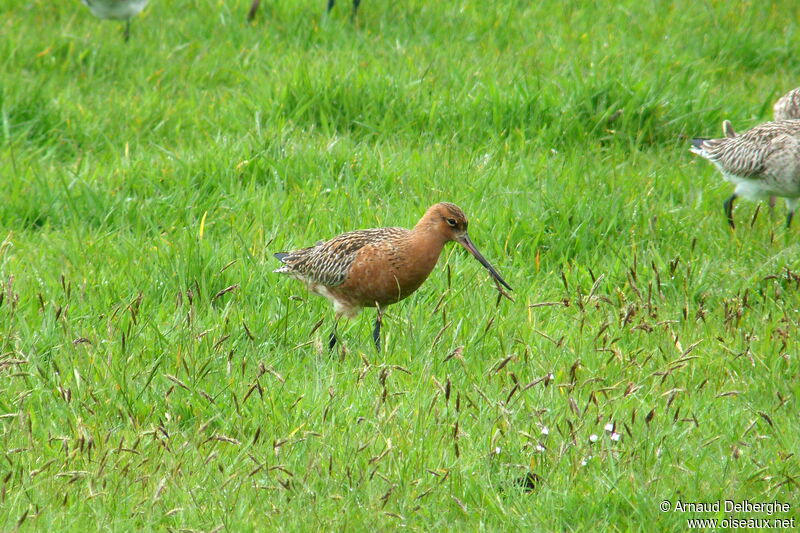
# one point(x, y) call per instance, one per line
point(378, 267)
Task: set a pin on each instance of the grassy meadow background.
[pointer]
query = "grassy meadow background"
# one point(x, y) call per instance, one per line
point(154, 373)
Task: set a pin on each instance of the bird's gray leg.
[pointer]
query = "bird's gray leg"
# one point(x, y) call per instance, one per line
point(356, 3)
point(127, 33)
point(330, 5)
point(791, 204)
point(728, 205)
point(376, 333)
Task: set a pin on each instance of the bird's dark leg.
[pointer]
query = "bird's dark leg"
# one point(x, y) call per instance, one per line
point(127, 33)
point(789, 218)
point(728, 205)
point(376, 333)
point(332, 338)
point(253, 9)
point(330, 5)
point(356, 3)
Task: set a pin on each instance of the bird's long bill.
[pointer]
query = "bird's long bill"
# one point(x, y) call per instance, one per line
point(467, 243)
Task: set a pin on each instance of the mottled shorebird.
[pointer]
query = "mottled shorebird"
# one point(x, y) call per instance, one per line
point(787, 107)
point(117, 10)
point(763, 161)
point(378, 267)
point(254, 8)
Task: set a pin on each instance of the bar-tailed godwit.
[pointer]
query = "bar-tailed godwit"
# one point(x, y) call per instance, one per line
point(254, 8)
point(117, 10)
point(763, 161)
point(787, 107)
point(378, 267)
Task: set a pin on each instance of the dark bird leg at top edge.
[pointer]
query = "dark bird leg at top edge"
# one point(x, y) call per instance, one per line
point(127, 33)
point(728, 206)
point(253, 9)
point(789, 219)
point(356, 3)
point(376, 333)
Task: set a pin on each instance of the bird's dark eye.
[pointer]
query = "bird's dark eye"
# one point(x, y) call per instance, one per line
point(452, 222)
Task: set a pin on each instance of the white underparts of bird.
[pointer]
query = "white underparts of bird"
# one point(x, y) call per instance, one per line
point(116, 10)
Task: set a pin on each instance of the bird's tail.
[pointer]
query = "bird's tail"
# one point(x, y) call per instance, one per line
point(284, 268)
point(700, 147)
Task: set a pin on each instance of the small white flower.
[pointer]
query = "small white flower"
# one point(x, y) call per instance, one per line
point(540, 448)
point(586, 460)
point(615, 437)
point(497, 451)
point(609, 427)
point(545, 431)
point(593, 438)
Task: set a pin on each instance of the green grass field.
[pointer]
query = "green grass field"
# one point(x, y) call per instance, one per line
point(155, 374)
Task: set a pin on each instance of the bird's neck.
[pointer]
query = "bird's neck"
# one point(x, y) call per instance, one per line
point(416, 258)
point(426, 245)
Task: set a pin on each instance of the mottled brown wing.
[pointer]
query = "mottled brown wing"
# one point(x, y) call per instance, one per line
point(328, 262)
point(745, 155)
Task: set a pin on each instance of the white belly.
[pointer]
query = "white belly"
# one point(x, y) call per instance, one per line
point(763, 188)
point(115, 9)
